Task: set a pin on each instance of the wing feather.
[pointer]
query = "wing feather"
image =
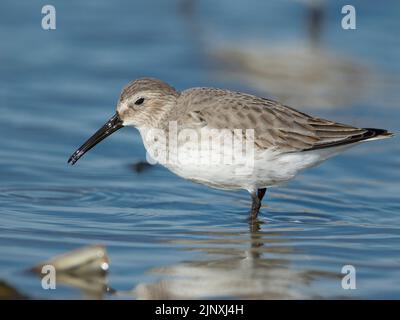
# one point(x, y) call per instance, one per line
point(275, 125)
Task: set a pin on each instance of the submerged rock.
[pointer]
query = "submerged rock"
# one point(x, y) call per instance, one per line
point(85, 269)
point(89, 260)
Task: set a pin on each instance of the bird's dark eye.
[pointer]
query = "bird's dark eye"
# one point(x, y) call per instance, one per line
point(139, 101)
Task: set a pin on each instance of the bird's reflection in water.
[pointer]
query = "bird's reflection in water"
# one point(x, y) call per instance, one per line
point(253, 265)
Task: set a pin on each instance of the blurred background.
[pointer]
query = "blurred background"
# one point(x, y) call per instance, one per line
point(166, 237)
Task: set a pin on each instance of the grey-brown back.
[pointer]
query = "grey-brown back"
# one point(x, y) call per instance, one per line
point(275, 125)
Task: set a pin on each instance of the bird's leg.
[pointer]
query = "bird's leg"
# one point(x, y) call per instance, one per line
point(256, 202)
point(261, 193)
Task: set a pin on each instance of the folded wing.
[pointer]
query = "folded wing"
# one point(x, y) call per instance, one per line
point(275, 125)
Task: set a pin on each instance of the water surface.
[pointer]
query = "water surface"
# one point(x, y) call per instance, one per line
point(166, 237)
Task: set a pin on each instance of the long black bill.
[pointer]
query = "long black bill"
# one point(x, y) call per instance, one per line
point(111, 126)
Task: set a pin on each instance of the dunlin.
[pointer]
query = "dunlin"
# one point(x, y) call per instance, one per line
point(283, 140)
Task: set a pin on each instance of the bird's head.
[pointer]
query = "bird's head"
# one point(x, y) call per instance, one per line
point(142, 103)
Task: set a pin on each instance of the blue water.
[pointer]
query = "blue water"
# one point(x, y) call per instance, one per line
point(167, 237)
